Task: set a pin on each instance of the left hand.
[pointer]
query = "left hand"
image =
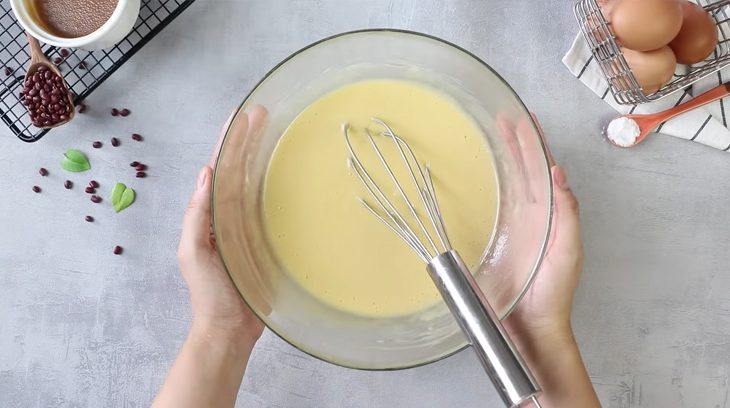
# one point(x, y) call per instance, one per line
point(218, 309)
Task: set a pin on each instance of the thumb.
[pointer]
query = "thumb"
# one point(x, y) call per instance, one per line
point(196, 224)
point(566, 225)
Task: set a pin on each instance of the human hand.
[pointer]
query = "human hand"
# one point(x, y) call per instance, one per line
point(546, 307)
point(540, 324)
point(218, 309)
point(211, 363)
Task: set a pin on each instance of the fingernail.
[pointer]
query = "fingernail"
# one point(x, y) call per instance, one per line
point(202, 177)
point(561, 180)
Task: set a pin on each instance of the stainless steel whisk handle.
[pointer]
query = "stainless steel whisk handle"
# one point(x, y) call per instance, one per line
point(483, 330)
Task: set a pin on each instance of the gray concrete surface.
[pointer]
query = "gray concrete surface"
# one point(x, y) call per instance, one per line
point(82, 328)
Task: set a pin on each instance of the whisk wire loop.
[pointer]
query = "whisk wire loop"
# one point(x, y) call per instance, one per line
point(426, 193)
point(388, 210)
point(385, 210)
point(441, 229)
point(406, 200)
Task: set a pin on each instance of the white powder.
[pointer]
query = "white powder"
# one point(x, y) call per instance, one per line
point(623, 131)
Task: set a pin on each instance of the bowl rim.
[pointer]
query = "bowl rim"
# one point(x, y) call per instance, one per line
point(546, 155)
point(20, 10)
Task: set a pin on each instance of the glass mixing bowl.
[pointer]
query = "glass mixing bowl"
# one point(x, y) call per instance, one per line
point(525, 196)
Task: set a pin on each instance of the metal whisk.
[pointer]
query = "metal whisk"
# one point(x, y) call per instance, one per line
point(457, 286)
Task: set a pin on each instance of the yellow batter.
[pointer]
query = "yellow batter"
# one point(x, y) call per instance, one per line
point(328, 242)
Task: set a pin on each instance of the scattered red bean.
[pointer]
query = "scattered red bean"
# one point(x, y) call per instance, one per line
point(36, 189)
point(115, 112)
point(82, 65)
point(57, 60)
point(134, 164)
point(95, 199)
point(94, 184)
point(82, 108)
point(118, 250)
point(89, 218)
point(64, 52)
point(68, 184)
point(141, 174)
point(43, 172)
point(115, 142)
point(125, 112)
point(136, 137)
point(90, 190)
point(96, 145)
point(141, 167)
point(8, 71)
point(46, 98)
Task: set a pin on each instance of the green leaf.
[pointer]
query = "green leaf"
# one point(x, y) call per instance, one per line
point(75, 161)
point(117, 193)
point(125, 199)
point(76, 156)
point(73, 167)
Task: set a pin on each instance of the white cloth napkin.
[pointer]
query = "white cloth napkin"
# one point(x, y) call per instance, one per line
point(707, 125)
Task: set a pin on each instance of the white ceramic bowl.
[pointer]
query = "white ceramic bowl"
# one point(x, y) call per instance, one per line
point(113, 31)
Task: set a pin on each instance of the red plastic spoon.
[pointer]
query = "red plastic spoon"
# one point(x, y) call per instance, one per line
point(630, 130)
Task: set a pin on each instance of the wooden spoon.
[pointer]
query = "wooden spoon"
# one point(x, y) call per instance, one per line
point(647, 123)
point(37, 60)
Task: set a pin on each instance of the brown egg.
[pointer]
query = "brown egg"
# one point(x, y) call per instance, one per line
point(645, 25)
point(698, 36)
point(606, 7)
point(652, 69)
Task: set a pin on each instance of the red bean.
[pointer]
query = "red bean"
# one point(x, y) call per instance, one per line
point(82, 108)
point(136, 137)
point(36, 189)
point(89, 218)
point(64, 52)
point(57, 60)
point(94, 184)
point(68, 184)
point(46, 98)
point(82, 65)
point(125, 112)
point(8, 71)
point(90, 190)
point(141, 167)
point(141, 174)
point(43, 172)
point(96, 145)
point(134, 164)
point(115, 112)
point(115, 142)
point(118, 250)
point(95, 199)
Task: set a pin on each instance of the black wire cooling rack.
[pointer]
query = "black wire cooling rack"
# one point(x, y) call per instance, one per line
point(83, 70)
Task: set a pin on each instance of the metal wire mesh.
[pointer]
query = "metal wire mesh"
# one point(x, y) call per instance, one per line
point(83, 70)
point(622, 83)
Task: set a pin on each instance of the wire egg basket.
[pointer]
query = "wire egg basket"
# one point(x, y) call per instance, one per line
point(622, 82)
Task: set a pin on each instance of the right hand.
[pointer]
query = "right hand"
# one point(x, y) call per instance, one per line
point(540, 324)
point(546, 307)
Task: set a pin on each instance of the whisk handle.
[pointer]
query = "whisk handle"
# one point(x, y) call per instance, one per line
point(482, 327)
